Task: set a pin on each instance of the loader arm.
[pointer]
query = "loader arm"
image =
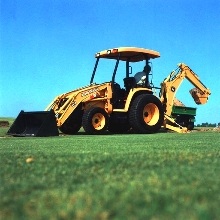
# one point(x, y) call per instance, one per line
point(65, 104)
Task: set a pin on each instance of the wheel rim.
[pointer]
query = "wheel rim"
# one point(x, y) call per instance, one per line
point(151, 114)
point(98, 121)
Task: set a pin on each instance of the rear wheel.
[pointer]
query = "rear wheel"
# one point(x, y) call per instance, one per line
point(95, 120)
point(146, 114)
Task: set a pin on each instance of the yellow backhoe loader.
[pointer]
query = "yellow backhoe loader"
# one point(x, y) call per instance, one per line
point(106, 106)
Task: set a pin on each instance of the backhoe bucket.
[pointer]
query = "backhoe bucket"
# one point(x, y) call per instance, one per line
point(34, 124)
point(198, 96)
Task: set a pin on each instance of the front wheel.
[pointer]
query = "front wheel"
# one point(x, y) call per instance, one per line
point(73, 123)
point(95, 121)
point(146, 114)
point(71, 127)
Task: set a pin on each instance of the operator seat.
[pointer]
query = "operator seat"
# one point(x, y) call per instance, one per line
point(129, 83)
point(118, 96)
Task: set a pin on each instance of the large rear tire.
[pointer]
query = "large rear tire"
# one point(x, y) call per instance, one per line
point(146, 114)
point(95, 121)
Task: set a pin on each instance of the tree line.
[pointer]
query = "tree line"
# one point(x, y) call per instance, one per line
point(208, 125)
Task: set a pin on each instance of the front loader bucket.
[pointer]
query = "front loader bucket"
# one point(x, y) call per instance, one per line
point(198, 96)
point(34, 124)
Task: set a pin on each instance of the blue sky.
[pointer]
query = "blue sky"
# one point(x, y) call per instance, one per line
point(47, 47)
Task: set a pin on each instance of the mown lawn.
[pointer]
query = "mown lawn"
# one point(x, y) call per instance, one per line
point(159, 176)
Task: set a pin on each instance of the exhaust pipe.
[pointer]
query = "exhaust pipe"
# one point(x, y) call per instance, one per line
point(34, 124)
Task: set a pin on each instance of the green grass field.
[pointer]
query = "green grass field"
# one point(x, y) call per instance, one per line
point(159, 176)
point(3, 130)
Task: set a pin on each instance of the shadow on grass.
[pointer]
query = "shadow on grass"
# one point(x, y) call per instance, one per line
point(130, 132)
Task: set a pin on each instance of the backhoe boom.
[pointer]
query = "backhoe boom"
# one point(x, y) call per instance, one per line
point(170, 86)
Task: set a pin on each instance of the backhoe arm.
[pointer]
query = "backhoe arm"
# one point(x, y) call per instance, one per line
point(95, 94)
point(169, 88)
point(171, 84)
